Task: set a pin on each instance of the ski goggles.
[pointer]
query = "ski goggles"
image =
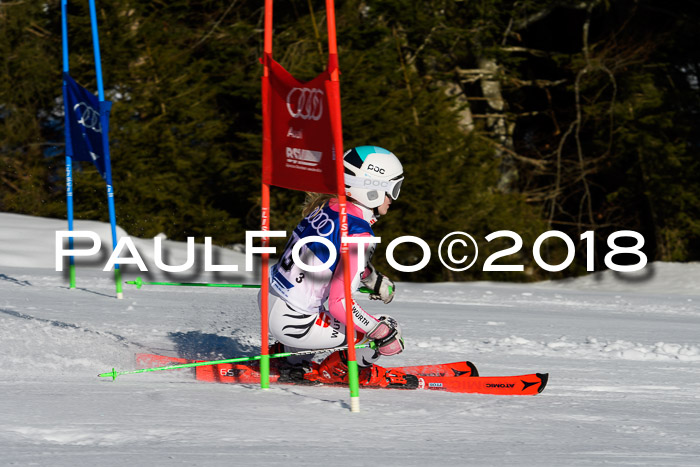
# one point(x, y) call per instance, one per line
point(391, 187)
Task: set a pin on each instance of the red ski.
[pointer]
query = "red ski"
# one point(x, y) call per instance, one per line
point(442, 369)
point(523, 385)
point(455, 369)
point(459, 377)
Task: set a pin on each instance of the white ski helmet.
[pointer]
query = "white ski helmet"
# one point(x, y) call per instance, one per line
point(370, 173)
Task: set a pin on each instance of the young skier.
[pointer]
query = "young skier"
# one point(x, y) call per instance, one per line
point(307, 309)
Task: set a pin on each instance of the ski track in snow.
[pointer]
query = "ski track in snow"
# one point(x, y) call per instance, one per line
point(623, 357)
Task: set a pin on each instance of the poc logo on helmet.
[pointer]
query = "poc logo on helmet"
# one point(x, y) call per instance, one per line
point(375, 168)
point(370, 182)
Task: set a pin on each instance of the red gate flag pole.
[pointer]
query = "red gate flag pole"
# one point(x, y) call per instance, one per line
point(265, 210)
point(333, 88)
point(303, 150)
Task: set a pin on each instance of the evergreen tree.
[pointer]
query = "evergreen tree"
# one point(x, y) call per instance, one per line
point(30, 115)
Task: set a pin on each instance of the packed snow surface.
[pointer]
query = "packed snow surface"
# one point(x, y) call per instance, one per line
point(622, 351)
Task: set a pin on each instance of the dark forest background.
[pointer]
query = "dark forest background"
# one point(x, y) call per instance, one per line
point(518, 115)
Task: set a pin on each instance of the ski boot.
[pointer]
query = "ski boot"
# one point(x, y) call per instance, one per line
point(334, 370)
point(290, 372)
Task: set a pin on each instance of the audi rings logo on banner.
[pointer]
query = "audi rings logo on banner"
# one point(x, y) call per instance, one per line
point(305, 103)
point(88, 117)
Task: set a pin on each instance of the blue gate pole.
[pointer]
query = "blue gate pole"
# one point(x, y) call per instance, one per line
point(104, 120)
point(69, 145)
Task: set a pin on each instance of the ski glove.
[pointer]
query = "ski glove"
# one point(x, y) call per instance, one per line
point(381, 286)
point(387, 336)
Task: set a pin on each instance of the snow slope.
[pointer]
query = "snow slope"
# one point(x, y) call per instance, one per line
point(623, 355)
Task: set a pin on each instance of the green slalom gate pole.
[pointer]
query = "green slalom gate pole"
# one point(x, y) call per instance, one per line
point(138, 282)
point(118, 281)
point(114, 373)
